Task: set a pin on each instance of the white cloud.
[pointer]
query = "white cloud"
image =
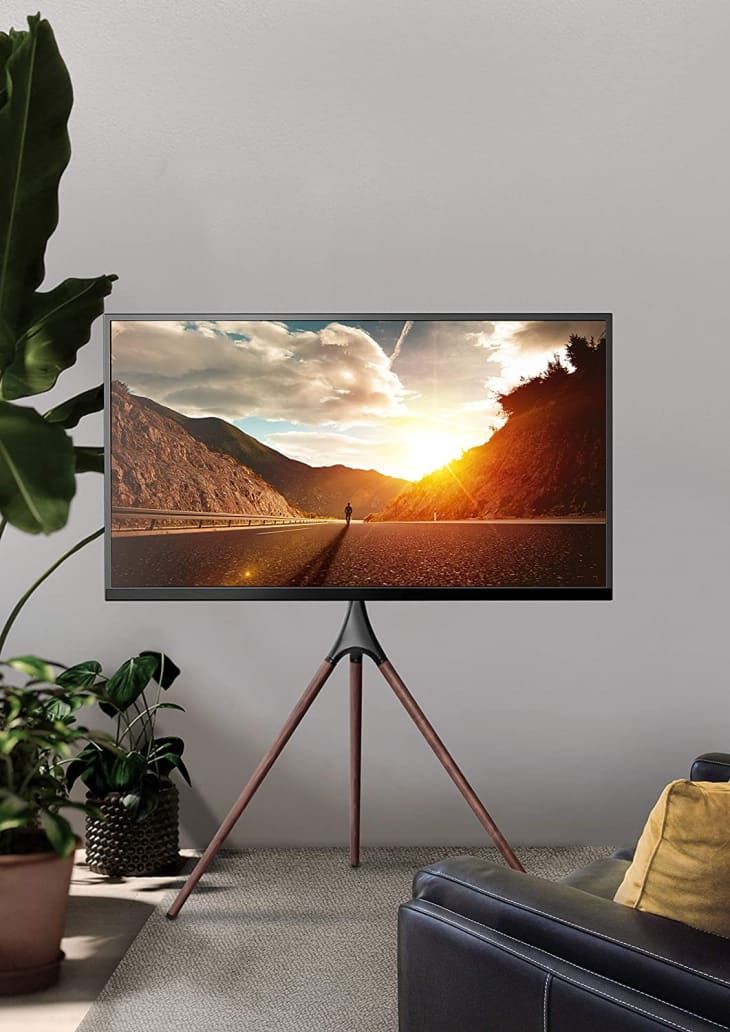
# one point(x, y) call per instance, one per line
point(329, 449)
point(407, 327)
point(523, 349)
point(335, 376)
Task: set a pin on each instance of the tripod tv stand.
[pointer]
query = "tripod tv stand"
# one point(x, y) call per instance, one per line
point(356, 640)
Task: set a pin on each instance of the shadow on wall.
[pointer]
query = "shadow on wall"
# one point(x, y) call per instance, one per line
point(224, 752)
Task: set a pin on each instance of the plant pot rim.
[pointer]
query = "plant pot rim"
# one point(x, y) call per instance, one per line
point(19, 859)
point(165, 785)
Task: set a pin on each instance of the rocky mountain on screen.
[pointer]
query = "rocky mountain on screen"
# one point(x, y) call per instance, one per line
point(318, 490)
point(157, 464)
point(548, 459)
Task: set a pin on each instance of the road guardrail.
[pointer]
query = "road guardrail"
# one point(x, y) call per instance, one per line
point(150, 519)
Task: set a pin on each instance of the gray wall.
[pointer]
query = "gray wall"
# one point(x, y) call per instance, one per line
point(425, 156)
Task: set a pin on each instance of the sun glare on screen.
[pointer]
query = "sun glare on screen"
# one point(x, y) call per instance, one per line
point(427, 451)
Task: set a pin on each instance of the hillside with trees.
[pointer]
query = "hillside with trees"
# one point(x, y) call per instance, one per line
point(548, 459)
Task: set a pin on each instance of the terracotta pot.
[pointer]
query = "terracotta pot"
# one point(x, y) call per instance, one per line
point(33, 899)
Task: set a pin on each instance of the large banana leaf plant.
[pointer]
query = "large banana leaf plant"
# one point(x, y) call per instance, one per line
point(41, 331)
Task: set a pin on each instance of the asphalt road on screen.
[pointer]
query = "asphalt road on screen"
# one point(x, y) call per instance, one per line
point(470, 554)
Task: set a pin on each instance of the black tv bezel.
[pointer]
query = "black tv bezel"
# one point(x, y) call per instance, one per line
point(401, 593)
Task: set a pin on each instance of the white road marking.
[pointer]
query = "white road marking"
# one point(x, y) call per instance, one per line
point(288, 530)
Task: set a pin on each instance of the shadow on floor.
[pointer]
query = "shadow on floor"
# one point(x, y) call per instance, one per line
point(105, 917)
point(99, 930)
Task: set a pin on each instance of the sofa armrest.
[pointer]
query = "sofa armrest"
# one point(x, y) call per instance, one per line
point(711, 766)
point(454, 973)
point(677, 964)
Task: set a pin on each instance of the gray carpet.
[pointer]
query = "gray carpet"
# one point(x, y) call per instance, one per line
point(282, 941)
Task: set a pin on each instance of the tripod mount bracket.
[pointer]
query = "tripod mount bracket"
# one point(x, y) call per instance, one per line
point(357, 638)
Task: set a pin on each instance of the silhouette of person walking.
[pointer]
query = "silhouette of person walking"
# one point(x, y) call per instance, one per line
point(348, 513)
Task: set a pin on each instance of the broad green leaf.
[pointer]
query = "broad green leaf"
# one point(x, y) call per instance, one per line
point(59, 833)
point(60, 710)
point(56, 325)
point(33, 666)
point(150, 796)
point(168, 744)
point(74, 771)
point(34, 151)
point(165, 670)
point(81, 675)
point(68, 413)
point(37, 479)
point(168, 762)
point(89, 458)
point(14, 811)
point(93, 766)
point(130, 680)
point(7, 344)
point(10, 738)
point(104, 740)
point(8, 823)
point(147, 807)
point(166, 756)
point(127, 771)
point(183, 770)
point(73, 699)
point(13, 706)
point(6, 48)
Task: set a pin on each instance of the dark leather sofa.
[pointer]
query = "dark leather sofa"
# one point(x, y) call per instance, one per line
point(486, 949)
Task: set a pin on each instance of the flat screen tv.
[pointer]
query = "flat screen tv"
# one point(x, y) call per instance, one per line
point(358, 456)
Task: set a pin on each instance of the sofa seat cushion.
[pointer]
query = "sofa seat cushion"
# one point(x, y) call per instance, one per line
point(601, 878)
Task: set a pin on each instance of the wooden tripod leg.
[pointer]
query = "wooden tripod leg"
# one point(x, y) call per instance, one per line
point(421, 721)
point(355, 756)
point(254, 782)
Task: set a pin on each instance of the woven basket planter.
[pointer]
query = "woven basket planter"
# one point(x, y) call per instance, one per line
point(118, 846)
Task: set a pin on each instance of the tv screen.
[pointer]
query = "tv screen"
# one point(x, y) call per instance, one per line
point(370, 456)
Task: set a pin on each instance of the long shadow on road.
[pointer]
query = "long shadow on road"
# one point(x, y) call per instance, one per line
point(315, 571)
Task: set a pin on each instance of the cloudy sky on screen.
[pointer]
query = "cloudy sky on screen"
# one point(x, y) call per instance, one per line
point(403, 397)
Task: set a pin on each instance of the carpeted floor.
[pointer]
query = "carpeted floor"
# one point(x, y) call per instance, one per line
point(282, 941)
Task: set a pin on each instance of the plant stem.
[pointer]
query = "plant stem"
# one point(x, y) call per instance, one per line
point(144, 717)
point(3, 525)
point(37, 583)
point(155, 711)
point(128, 723)
point(148, 725)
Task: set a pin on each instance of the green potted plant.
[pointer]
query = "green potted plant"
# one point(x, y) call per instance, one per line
point(38, 729)
point(41, 334)
point(128, 779)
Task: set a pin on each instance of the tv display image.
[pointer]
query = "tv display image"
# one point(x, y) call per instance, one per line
point(358, 456)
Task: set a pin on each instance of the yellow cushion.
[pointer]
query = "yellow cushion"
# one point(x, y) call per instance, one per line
point(681, 868)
